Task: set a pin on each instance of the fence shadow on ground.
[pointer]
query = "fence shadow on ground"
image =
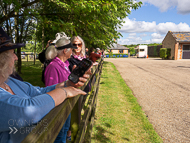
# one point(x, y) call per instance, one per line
point(99, 136)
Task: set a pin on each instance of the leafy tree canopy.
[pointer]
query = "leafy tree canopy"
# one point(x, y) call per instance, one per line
point(96, 21)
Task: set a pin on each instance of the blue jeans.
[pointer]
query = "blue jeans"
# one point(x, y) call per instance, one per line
point(61, 138)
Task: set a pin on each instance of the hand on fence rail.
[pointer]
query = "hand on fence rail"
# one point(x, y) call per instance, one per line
point(81, 82)
point(57, 116)
point(69, 87)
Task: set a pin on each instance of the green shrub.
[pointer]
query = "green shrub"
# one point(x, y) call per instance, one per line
point(168, 52)
point(131, 50)
point(165, 53)
point(111, 54)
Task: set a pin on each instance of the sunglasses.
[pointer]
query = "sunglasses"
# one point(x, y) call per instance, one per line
point(80, 44)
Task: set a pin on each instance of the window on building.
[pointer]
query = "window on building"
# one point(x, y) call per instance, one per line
point(186, 47)
point(120, 51)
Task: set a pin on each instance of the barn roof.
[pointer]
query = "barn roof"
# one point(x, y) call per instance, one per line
point(181, 36)
point(118, 47)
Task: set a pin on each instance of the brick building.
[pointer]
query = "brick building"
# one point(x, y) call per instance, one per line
point(179, 42)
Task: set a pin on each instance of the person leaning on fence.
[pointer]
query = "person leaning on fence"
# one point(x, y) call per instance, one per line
point(93, 56)
point(20, 102)
point(42, 56)
point(77, 54)
point(58, 71)
point(98, 51)
point(76, 57)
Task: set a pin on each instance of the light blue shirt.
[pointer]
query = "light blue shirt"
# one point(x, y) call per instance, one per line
point(23, 110)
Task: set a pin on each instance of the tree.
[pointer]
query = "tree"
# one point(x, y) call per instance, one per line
point(96, 21)
point(18, 27)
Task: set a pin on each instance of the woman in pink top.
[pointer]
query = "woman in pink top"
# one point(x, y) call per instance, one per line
point(58, 71)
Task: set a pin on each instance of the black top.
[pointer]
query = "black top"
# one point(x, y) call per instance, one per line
point(73, 61)
point(46, 63)
point(42, 57)
point(16, 76)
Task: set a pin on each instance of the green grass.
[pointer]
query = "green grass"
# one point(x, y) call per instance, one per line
point(119, 117)
point(32, 73)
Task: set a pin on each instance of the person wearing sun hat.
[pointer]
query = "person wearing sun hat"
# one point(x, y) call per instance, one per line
point(22, 103)
point(58, 71)
point(6, 42)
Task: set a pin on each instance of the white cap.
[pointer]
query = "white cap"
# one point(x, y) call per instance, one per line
point(60, 35)
point(97, 49)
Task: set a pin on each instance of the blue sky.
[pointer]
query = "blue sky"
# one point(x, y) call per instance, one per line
point(151, 22)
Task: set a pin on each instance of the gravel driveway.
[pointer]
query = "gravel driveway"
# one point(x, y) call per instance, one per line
point(162, 88)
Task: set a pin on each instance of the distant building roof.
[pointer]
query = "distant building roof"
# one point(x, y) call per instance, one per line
point(118, 47)
point(181, 36)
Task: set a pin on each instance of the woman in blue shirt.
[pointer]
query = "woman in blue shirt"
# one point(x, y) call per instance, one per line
point(20, 102)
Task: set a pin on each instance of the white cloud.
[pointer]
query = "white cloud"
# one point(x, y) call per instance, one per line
point(132, 34)
point(156, 40)
point(143, 35)
point(164, 5)
point(138, 31)
point(169, 26)
point(156, 35)
point(132, 40)
point(133, 26)
point(183, 7)
point(139, 40)
point(123, 41)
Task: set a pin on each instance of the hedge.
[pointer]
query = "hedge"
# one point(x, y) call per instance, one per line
point(116, 55)
point(165, 53)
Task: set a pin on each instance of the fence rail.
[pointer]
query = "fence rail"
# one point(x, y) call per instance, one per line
point(82, 109)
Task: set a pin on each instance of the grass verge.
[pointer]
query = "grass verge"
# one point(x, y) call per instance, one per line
point(32, 73)
point(119, 117)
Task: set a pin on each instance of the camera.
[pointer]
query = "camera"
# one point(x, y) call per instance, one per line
point(79, 71)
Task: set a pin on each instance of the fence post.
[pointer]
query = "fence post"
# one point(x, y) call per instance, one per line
point(34, 59)
point(87, 138)
point(75, 121)
point(27, 57)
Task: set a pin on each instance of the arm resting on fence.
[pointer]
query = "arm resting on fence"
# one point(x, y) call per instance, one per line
point(56, 118)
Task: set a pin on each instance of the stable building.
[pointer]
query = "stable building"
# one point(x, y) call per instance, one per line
point(179, 42)
point(118, 49)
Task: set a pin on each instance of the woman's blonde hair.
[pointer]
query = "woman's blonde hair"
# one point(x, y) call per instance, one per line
point(52, 51)
point(4, 64)
point(83, 45)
